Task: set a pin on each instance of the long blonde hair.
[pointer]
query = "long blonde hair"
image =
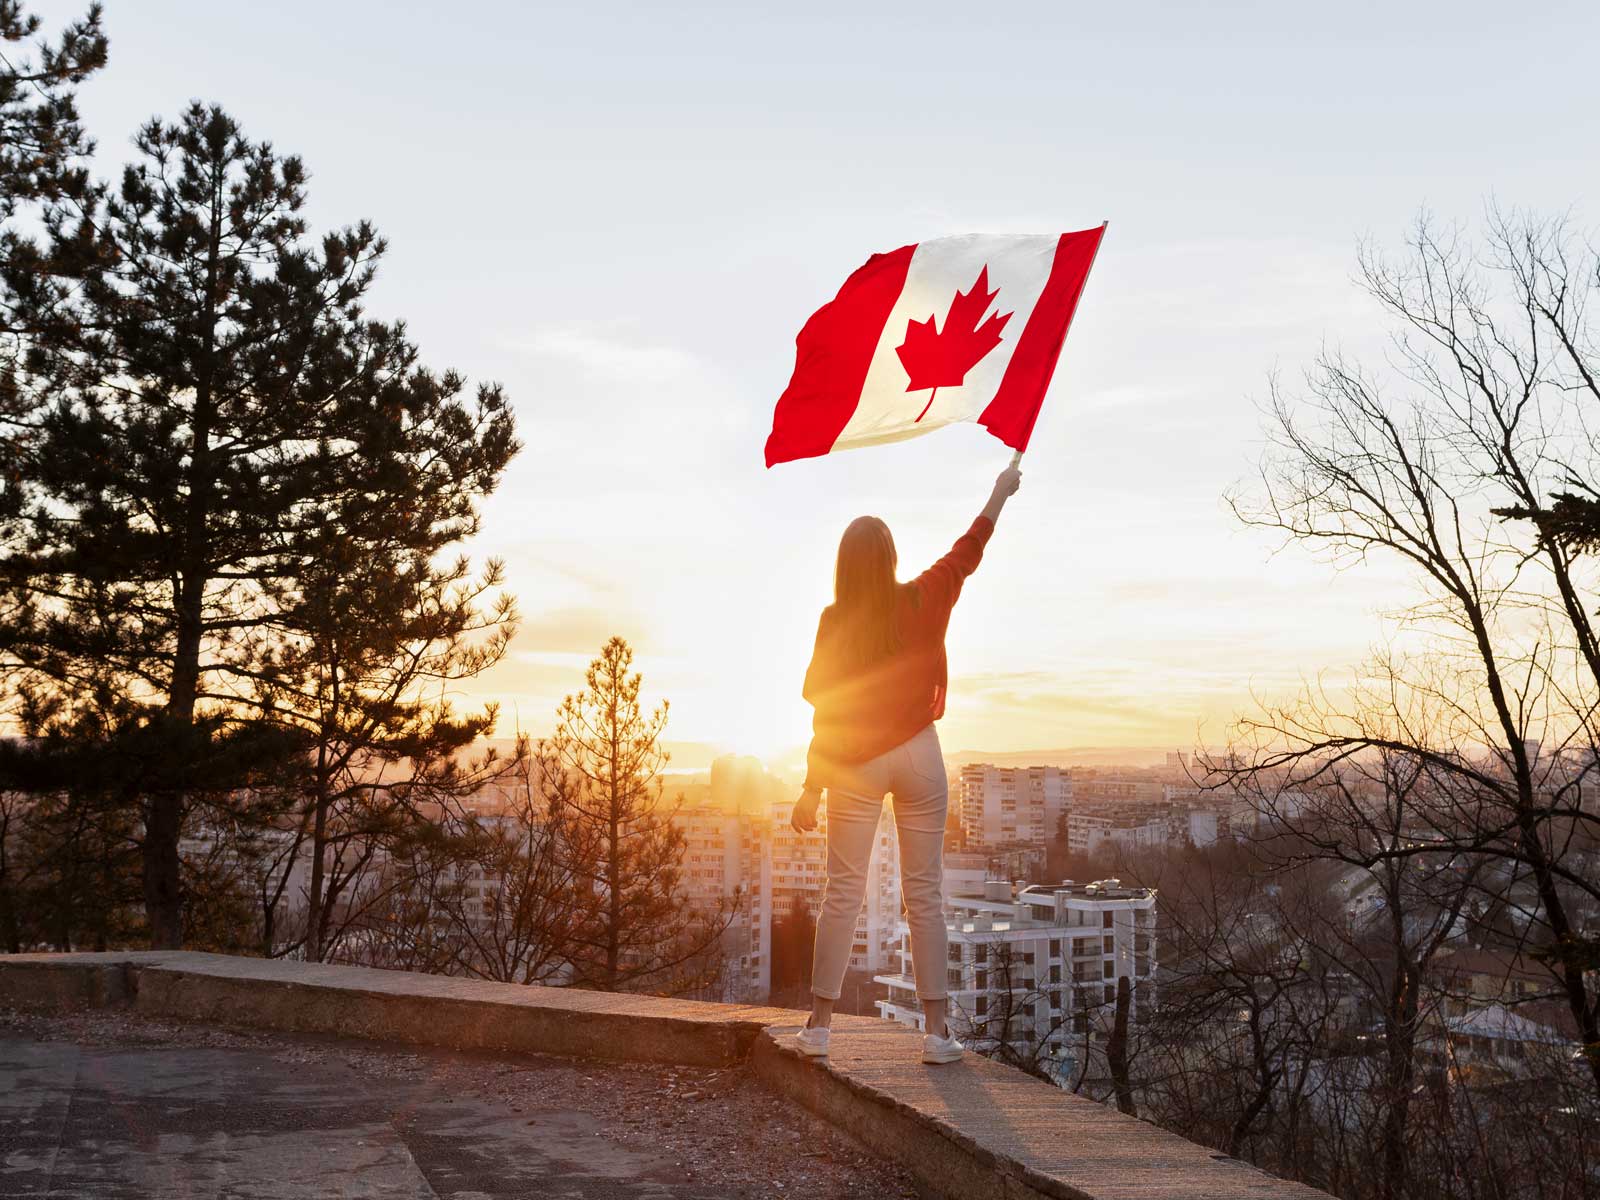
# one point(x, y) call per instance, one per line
point(864, 589)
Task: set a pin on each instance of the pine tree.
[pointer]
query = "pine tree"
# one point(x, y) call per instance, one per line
point(605, 760)
point(217, 401)
point(42, 144)
point(1570, 523)
point(43, 178)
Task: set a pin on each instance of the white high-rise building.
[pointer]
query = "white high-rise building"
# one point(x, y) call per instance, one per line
point(1039, 967)
point(1008, 806)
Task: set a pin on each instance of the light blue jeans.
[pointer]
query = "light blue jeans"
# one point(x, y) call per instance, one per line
point(914, 772)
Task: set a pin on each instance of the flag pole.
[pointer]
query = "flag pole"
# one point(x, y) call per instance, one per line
point(1016, 460)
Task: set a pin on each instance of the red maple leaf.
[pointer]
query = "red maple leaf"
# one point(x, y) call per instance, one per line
point(933, 359)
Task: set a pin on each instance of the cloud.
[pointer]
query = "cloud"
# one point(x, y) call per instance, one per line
point(610, 357)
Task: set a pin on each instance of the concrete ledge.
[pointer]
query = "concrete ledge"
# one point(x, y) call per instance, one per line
point(979, 1128)
point(57, 982)
point(967, 1130)
point(391, 1006)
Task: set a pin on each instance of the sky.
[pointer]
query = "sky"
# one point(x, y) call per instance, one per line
point(624, 214)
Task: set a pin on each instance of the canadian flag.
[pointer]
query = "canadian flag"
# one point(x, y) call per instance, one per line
point(954, 329)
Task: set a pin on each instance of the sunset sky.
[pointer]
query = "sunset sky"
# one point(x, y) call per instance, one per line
point(625, 214)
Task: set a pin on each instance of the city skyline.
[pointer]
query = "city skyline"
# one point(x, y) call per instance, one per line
point(692, 153)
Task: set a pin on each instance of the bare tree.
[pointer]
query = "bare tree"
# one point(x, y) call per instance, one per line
point(1011, 1019)
point(520, 924)
point(1245, 1003)
point(1486, 405)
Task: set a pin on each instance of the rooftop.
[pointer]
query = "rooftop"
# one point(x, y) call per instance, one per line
point(1099, 889)
point(1497, 1021)
point(1500, 965)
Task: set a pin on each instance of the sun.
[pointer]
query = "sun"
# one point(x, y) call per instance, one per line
point(770, 728)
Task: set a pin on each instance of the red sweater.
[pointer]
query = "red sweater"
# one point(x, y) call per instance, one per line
point(861, 713)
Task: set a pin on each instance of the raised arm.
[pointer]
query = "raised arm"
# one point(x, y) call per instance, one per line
point(1005, 486)
point(941, 583)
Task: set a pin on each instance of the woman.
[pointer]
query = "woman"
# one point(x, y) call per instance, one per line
point(877, 682)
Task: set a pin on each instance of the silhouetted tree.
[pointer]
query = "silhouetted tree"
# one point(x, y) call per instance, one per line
point(1482, 409)
point(794, 936)
point(203, 418)
point(43, 177)
point(42, 143)
point(516, 925)
point(605, 761)
point(1012, 1019)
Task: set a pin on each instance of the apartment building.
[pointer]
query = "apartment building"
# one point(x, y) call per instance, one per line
point(1046, 959)
point(1090, 832)
point(1007, 806)
point(964, 874)
point(1094, 790)
point(727, 863)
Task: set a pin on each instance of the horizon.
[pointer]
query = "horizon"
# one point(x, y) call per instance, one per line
point(697, 757)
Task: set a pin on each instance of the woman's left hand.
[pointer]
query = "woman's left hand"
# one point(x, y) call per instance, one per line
point(804, 817)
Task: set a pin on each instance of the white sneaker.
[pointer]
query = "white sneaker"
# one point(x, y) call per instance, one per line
point(936, 1049)
point(812, 1041)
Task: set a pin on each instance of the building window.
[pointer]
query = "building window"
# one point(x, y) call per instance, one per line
point(1055, 974)
point(983, 1006)
point(1109, 971)
point(953, 978)
point(1055, 947)
point(955, 951)
point(982, 954)
point(1110, 945)
point(983, 979)
point(1106, 918)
